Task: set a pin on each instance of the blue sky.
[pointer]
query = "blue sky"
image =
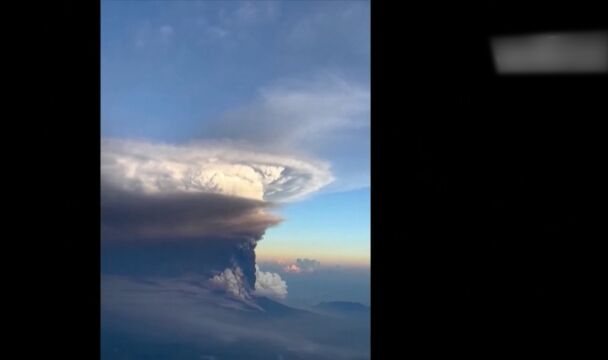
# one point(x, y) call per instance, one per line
point(332, 226)
point(285, 77)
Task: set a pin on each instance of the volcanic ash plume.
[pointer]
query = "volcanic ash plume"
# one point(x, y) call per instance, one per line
point(270, 284)
point(196, 209)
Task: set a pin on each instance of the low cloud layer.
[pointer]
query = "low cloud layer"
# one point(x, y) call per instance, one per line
point(169, 316)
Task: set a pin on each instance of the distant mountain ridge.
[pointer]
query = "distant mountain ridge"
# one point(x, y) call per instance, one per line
point(276, 308)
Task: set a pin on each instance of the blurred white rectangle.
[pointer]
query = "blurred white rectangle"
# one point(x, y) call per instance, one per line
point(551, 53)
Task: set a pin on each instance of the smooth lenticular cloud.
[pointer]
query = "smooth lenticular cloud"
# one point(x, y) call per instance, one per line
point(143, 167)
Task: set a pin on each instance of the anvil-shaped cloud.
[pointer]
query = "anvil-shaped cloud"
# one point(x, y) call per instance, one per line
point(219, 168)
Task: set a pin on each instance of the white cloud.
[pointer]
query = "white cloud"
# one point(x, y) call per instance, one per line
point(269, 284)
point(236, 23)
point(324, 115)
point(219, 168)
point(343, 25)
point(141, 34)
point(298, 114)
point(246, 12)
point(232, 281)
point(250, 12)
point(292, 268)
point(166, 31)
point(308, 264)
point(146, 34)
point(302, 265)
point(217, 32)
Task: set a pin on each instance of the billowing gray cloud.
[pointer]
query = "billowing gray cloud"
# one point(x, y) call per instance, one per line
point(175, 234)
point(232, 281)
point(270, 284)
point(198, 208)
point(133, 217)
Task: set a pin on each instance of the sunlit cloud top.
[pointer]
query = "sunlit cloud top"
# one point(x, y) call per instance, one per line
point(144, 167)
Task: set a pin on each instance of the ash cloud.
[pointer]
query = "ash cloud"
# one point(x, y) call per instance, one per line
point(270, 284)
point(161, 234)
point(232, 281)
point(171, 210)
point(133, 217)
